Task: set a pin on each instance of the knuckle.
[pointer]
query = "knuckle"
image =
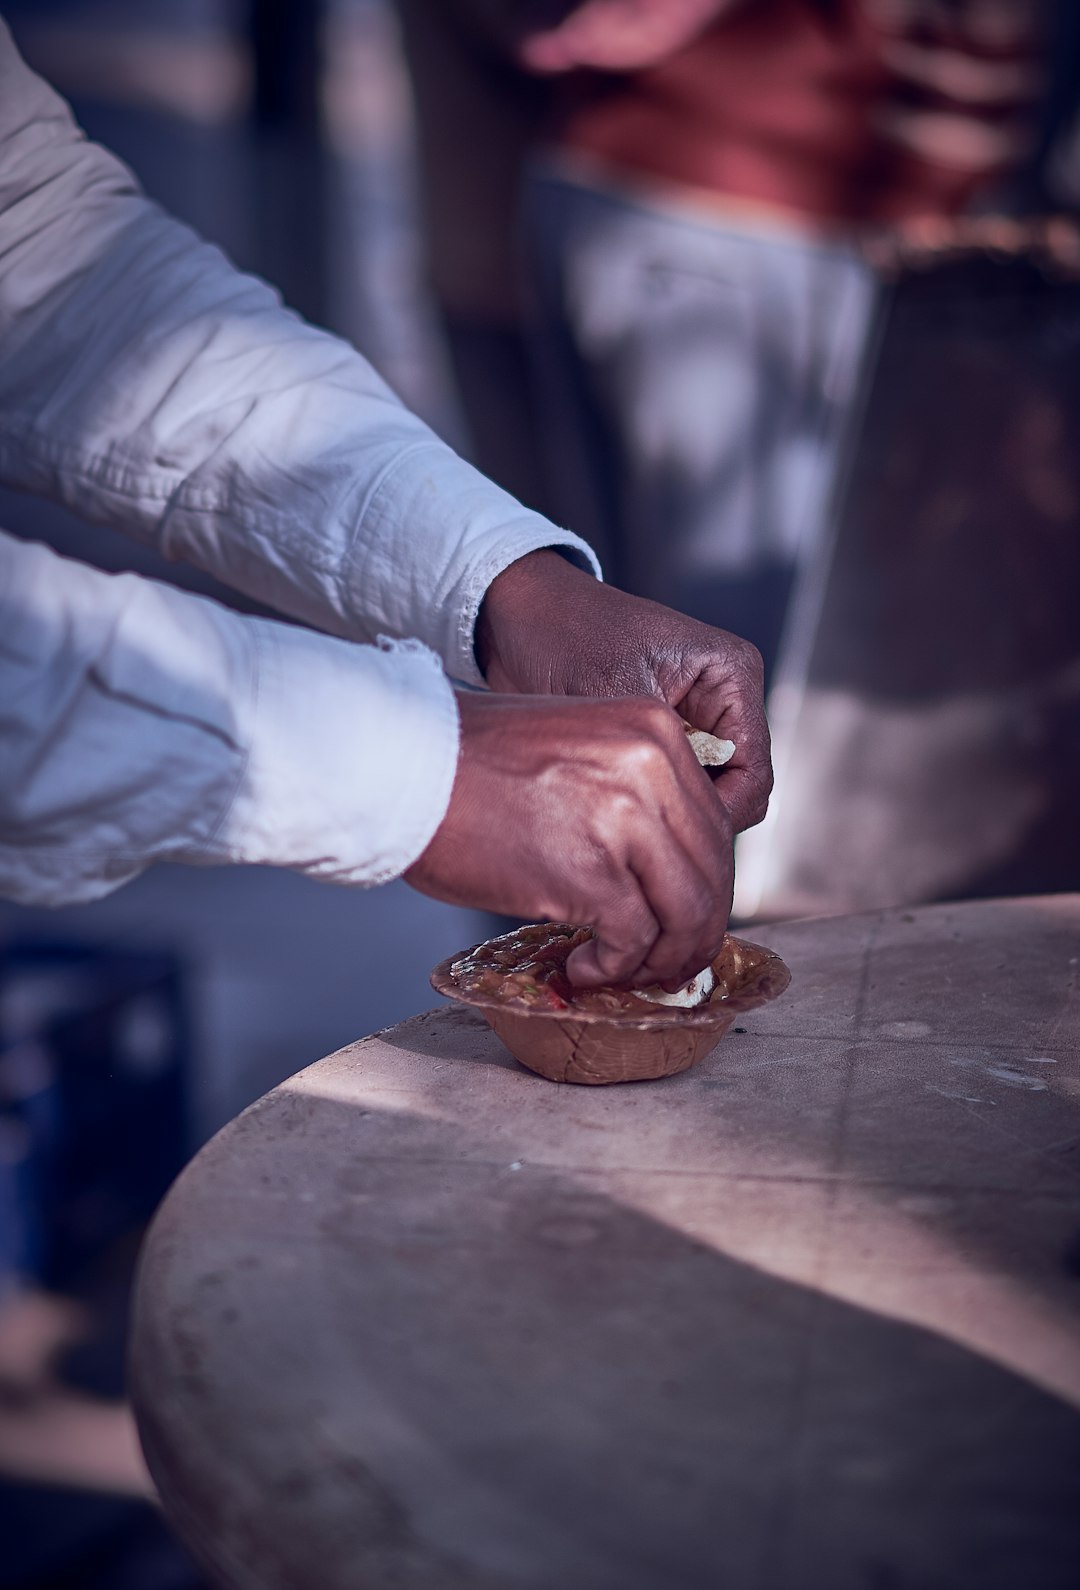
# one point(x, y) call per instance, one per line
point(617, 816)
point(757, 812)
point(642, 761)
point(750, 661)
point(758, 804)
point(647, 754)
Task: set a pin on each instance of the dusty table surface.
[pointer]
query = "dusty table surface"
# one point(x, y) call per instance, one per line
point(806, 1317)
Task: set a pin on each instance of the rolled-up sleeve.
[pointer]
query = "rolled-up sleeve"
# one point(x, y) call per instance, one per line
point(140, 723)
point(150, 385)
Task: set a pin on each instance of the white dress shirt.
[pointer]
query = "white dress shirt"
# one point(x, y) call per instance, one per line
point(149, 385)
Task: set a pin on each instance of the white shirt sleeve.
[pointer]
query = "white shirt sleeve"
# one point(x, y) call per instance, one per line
point(149, 385)
point(141, 723)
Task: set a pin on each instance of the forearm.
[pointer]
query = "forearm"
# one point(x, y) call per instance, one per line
point(140, 723)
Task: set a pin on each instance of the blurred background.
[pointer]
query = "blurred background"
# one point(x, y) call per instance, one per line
point(777, 301)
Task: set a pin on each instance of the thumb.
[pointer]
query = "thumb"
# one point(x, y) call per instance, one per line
point(614, 954)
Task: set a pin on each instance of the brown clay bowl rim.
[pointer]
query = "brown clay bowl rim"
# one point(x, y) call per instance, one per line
point(765, 982)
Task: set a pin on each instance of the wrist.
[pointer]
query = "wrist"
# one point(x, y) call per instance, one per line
point(518, 602)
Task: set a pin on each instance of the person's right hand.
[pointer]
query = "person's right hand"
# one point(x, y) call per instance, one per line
point(591, 812)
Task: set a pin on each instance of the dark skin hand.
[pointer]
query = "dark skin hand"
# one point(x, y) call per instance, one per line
point(596, 811)
point(548, 628)
point(611, 822)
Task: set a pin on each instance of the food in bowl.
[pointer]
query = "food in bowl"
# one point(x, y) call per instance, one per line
point(518, 982)
point(527, 968)
point(688, 997)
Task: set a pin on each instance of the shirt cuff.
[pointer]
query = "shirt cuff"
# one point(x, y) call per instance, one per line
point(467, 531)
point(352, 752)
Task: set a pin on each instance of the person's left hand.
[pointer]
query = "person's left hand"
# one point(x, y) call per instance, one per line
point(548, 628)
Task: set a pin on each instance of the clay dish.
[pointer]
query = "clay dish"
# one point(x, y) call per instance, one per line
point(597, 1047)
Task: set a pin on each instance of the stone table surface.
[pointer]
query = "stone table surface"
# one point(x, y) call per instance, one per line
point(806, 1317)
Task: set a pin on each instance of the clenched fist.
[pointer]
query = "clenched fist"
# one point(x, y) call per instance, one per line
point(593, 812)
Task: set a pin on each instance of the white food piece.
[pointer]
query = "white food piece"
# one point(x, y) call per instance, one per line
point(695, 992)
point(710, 751)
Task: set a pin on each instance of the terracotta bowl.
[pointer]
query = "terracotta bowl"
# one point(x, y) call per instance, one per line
point(596, 1047)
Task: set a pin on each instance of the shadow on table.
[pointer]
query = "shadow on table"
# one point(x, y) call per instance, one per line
point(367, 1344)
point(977, 1140)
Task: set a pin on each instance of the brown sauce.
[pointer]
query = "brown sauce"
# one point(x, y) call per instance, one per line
point(527, 968)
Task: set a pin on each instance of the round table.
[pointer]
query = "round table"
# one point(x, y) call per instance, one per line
point(803, 1318)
